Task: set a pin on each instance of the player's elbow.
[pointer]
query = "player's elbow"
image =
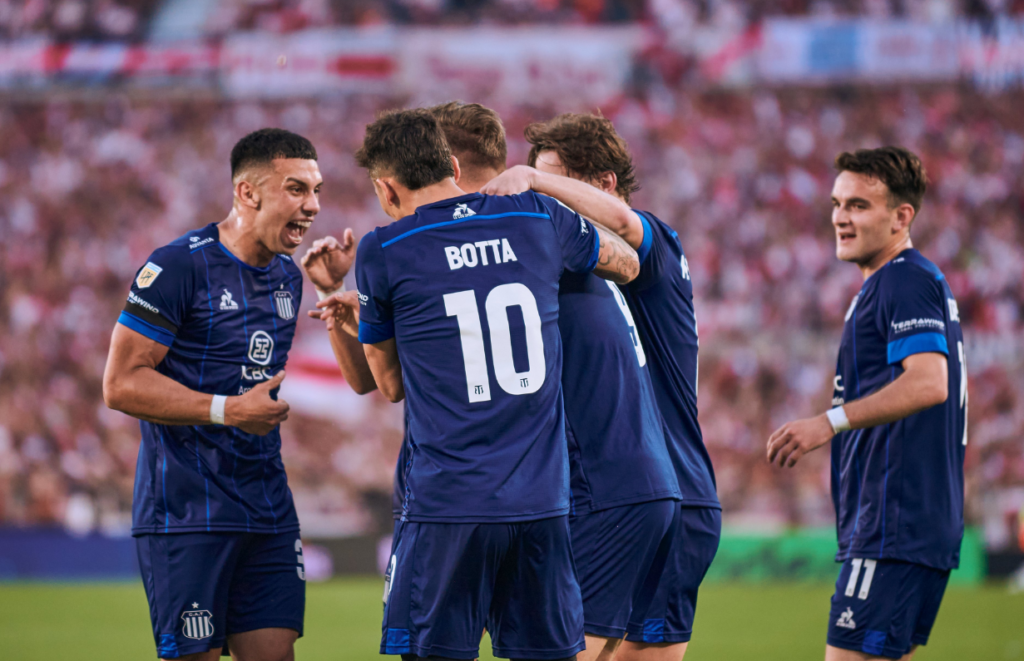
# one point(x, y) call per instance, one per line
point(114, 395)
point(627, 271)
point(393, 394)
point(363, 386)
point(935, 393)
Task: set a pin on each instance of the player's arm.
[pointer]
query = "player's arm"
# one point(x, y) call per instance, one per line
point(387, 369)
point(923, 384)
point(616, 260)
point(593, 203)
point(326, 264)
point(132, 385)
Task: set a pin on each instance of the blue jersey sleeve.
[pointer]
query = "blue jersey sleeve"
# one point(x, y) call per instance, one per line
point(376, 321)
point(579, 241)
point(655, 254)
point(160, 296)
point(912, 311)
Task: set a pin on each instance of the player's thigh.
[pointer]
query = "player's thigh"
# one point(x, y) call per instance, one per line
point(439, 586)
point(537, 610)
point(210, 655)
point(274, 644)
point(634, 651)
point(839, 654)
point(665, 613)
point(883, 608)
point(615, 551)
point(268, 588)
point(187, 578)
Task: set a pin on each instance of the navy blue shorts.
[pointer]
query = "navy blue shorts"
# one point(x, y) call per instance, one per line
point(616, 549)
point(203, 587)
point(447, 581)
point(665, 612)
point(884, 607)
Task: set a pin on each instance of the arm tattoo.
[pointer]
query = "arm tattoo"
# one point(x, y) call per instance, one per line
point(616, 257)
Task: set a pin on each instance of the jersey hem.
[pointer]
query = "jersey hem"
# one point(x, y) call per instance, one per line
point(633, 500)
point(170, 530)
point(701, 502)
point(475, 518)
point(872, 555)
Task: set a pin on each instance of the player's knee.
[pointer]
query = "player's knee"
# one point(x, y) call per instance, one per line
point(568, 658)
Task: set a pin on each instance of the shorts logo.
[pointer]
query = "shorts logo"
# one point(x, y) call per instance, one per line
point(284, 304)
point(846, 620)
point(261, 348)
point(227, 302)
point(389, 578)
point(197, 623)
point(148, 275)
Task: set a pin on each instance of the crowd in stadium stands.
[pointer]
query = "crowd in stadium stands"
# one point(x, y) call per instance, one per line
point(90, 188)
point(128, 20)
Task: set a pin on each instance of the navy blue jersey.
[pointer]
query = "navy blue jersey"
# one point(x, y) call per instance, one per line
point(617, 449)
point(228, 326)
point(468, 287)
point(661, 298)
point(898, 489)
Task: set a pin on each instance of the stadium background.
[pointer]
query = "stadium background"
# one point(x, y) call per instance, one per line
point(116, 120)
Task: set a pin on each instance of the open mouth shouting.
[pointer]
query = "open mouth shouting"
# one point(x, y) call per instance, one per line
point(294, 231)
point(845, 236)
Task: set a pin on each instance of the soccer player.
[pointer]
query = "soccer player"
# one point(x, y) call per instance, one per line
point(197, 355)
point(597, 178)
point(898, 426)
point(458, 311)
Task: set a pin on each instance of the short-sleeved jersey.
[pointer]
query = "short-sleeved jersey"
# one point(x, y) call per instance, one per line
point(898, 489)
point(468, 287)
point(661, 298)
point(617, 449)
point(228, 326)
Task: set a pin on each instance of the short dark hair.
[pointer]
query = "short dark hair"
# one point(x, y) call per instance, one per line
point(898, 168)
point(474, 133)
point(408, 145)
point(263, 146)
point(588, 146)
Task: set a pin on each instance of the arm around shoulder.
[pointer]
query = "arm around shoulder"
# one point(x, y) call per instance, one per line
point(616, 260)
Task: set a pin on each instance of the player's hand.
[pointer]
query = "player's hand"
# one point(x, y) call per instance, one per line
point(515, 180)
point(328, 260)
point(341, 310)
point(793, 440)
point(255, 412)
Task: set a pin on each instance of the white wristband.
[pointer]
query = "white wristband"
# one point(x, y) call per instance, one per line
point(837, 418)
point(321, 295)
point(217, 409)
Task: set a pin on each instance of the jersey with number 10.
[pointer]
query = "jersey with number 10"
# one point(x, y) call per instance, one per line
point(898, 488)
point(468, 287)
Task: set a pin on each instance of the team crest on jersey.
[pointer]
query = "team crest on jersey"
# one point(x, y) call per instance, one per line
point(148, 275)
point(462, 211)
point(285, 304)
point(261, 347)
point(197, 624)
point(227, 302)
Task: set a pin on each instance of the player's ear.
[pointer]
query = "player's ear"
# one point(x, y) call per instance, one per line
point(388, 191)
point(458, 170)
point(607, 182)
point(904, 217)
point(247, 194)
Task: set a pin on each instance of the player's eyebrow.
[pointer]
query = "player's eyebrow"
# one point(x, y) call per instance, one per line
point(301, 182)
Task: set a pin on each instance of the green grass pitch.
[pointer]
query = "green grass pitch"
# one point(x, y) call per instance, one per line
point(110, 621)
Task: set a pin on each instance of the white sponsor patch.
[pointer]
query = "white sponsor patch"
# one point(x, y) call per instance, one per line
point(913, 324)
point(261, 348)
point(148, 275)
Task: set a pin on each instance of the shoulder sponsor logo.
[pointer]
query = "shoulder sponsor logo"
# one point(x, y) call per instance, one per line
point(148, 275)
point(462, 211)
point(954, 310)
point(141, 302)
point(197, 623)
point(284, 304)
point(917, 324)
point(196, 242)
point(227, 302)
point(846, 620)
point(853, 306)
point(686, 267)
point(261, 348)
point(583, 227)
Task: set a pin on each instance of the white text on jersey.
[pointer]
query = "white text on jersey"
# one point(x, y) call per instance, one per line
point(471, 254)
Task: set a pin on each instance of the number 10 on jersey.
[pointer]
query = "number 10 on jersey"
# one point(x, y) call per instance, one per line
point(462, 305)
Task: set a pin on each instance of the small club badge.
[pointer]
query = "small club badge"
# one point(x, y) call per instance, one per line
point(285, 304)
point(147, 275)
point(197, 624)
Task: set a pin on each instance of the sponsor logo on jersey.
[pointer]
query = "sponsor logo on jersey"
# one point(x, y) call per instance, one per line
point(141, 302)
point(915, 324)
point(196, 242)
point(285, 304)
point(846, 620)
point(363, 298)
point(472, 254)
point(462, 211)
point(686, 268)
point(197, 624)
point(227, 302)
point(250, 373)
point(261, 347)
point(837, 385)
point(148, 275)
point(583, 227)
point(954, 310)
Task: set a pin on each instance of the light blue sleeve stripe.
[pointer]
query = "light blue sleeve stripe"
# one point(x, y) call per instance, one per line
point(922, 343)
point(155, 333)
point(374, 333)
point(645, 246)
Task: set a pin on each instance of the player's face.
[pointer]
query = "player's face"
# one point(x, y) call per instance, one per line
point(290, 200)
point(863, 221)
